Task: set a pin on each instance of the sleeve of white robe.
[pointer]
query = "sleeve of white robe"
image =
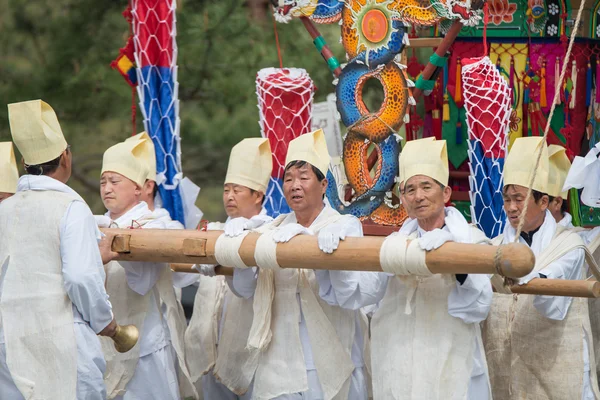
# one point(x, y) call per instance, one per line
point(351, 289)
point(567, 267)
point(243, 283)
point(82, 268)
point(472, 300)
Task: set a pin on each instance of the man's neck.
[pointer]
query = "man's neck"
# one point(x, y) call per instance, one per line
point(115, 216)
point(306, 218)
point(435, 222)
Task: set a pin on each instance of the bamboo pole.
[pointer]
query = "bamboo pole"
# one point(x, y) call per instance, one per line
point(559, 287)
point(354, 254)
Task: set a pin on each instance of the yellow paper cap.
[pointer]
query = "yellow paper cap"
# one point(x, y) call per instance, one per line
point(520, 163)
point(129, 159)
point(427, 157)
point(312, 148)
point(9, 174)
point(250, 164)
point(559, 168)
point(149, 154)
point(35, 131)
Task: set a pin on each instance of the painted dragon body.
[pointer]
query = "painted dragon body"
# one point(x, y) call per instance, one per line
point(373, 34)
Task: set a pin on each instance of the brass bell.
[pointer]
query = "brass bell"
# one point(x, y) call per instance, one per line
point(125, 338)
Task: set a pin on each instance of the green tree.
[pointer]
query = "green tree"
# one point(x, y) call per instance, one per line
point(60, 51)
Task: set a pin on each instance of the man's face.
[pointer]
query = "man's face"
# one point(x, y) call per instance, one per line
point(424, 198)
point(241, 201)
point(302, 189)
point(514, 203)
point(119, 194)
point(4, 196)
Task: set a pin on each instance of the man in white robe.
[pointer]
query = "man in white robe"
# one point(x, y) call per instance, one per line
point(307, 348)
point(584, 175)
point(9, 174)
point(137, 290)
point(557, 174)
point(544, 351)
point(52, 296)
point(424, 324)
point(215, 306)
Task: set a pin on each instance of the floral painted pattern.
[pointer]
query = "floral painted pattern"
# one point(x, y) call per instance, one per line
point(552, 30)
point(501, 11)
point(553, 9)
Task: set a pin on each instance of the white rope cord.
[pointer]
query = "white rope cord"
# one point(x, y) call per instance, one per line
point(265, 252)
point(399, 257)
point(556, 95)
point(227, 250)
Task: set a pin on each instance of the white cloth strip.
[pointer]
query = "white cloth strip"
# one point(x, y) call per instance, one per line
point(227, 250)
point(265, 252)
point(399, 257)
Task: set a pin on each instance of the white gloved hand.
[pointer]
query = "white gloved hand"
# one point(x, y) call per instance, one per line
point(329, 237)
point(285, 233)
point(205, 269)
point(434, 239)
point(236, 226)
point(102, 221)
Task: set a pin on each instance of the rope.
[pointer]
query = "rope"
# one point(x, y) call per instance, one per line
point(554, 101)
point(277, 43)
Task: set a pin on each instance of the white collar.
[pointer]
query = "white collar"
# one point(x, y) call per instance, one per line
point(44, 183)
point(137, 213)
point(455, 223)
point(541, 239)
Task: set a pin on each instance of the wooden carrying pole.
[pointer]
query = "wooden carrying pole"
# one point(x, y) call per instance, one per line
point(542, 287)
point(559, 287)
point(354, 254)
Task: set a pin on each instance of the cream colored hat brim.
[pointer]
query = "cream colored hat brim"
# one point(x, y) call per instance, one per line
point(427, 157)
point(250, 164)
point(149, 155)
point(127, 159)
point(559, 169)
point(311, 148)
point(9, 174)
point(520, 163)
point(36, 132)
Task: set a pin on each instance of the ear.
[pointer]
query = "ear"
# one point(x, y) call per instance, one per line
point(544, 202)
point(258, 197)
point(324, 184)
point(64, 159)
point(447, 193)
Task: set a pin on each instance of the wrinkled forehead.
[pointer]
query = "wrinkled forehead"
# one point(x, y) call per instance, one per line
point(305, 168)
point(515, 190)
point(418, 181)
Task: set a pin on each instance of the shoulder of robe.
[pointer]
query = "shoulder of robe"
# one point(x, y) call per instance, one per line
point(497, 241)
point(477, 235)
point(269, 226)
point(563, 234)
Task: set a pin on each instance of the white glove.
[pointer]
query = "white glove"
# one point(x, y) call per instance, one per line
point(434, 239)
point(285, 233)
point(329, 237)
point(103, 221)
point(236, 226)
point(205, 269)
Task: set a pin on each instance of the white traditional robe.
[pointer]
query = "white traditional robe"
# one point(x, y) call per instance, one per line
point(553, 311)
point(566, 221)
point(298, 341)
point(213, 300)
point(83, 281)
point(403, 302)
point(159, 349)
